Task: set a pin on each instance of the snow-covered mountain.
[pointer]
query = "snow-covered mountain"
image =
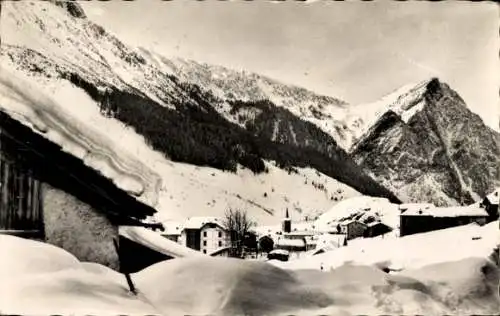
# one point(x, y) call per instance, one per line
point(245, 98)
point(175, 127)
point(427, 146)
point(231, 85)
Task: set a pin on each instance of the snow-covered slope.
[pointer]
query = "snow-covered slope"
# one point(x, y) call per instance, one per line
point(186, 190)
point(428, 146)
point(132, 97)
point(326, 112)
point(426, 163)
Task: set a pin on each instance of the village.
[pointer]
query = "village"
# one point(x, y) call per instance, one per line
point(333, 229)
point(100, 208)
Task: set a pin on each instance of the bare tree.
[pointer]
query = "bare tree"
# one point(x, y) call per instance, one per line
point(238, 224)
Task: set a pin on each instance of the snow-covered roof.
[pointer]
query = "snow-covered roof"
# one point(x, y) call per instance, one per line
point(299, 233)
point(172, 228)
point(453, 211)
point(362, 207)
point(198, 222)
point(285, 242)
point(412, 206)
point(375, 224)
point(24, 103)
point(279, 252)
point(156, 242)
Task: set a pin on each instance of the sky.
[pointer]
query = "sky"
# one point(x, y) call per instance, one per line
point(356, 51)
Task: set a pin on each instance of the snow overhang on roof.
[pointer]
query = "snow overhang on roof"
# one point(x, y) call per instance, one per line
point(24, 103)
point(284, 242)
point(199, 221)
point(456, 211)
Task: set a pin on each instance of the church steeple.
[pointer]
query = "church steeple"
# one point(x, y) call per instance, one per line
point(287, 223)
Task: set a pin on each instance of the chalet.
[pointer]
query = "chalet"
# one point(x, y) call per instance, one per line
point(415, 219)
point(50, 193)
point(352, 229)
point(205, 234)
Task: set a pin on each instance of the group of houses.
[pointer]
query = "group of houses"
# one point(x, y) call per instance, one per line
point(299, 239)
point(309, 238)
point(420, 218)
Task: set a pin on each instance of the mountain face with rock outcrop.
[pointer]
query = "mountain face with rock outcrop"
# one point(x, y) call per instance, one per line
point(429, 147)
point(81, 66)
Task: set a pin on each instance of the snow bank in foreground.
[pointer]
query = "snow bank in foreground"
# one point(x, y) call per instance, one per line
point(41, 279)
point(413, 251)
point(205, 285)
point(23, 256)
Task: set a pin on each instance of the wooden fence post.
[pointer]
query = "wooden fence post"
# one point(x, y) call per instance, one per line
point(123, 267)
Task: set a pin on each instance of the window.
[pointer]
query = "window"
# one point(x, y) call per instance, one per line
point(204, 234)
point(220, 234)
point(20, 195)
point(204, 243)
point(220, 243)
point(204, 251)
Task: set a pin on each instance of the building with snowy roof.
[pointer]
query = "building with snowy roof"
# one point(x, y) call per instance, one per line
point(352, 229)
point(428, 218)
point(205, 234)
point(172, 230)
point(64, 183)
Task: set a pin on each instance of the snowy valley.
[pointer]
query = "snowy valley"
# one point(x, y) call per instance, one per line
point(119, 166)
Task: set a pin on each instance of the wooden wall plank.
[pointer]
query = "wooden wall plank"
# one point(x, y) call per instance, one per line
point(5, 195)
point(3, 211)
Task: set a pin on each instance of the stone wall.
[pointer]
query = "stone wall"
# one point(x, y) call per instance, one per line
point(78, 228)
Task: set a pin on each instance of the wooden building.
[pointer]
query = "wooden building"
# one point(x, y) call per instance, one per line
point(352, 229)
point(419, 220)
point(50, 195)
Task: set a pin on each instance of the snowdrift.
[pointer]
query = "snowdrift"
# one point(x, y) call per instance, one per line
point(205, 286)
point(41, 279)
point(408, 252)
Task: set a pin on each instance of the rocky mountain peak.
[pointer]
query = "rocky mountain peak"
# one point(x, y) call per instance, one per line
point(428, 146)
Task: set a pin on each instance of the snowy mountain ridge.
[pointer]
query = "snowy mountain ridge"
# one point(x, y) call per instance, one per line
point(232, 118)
point(171, 126)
